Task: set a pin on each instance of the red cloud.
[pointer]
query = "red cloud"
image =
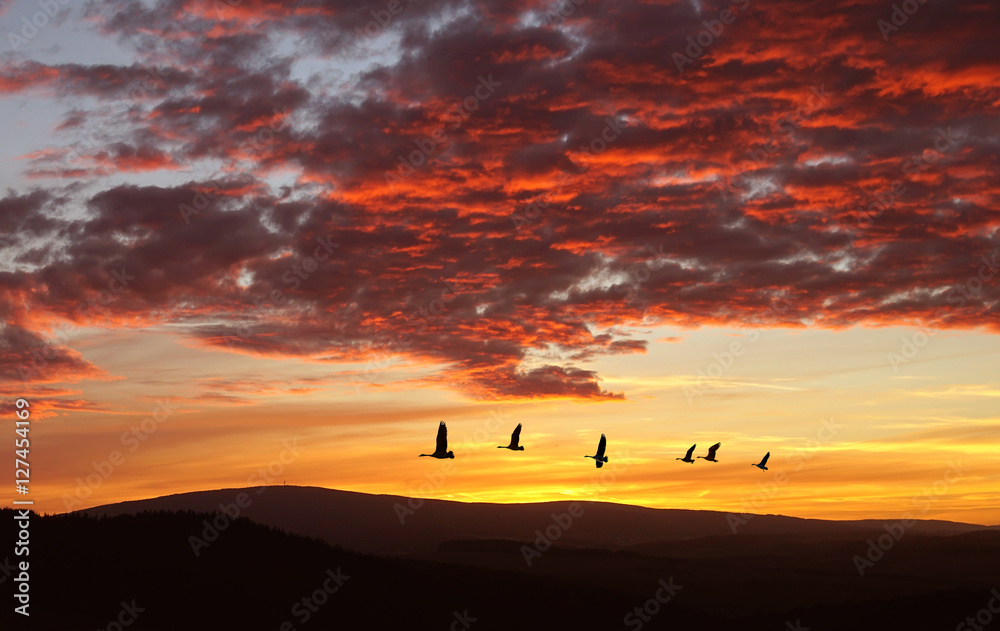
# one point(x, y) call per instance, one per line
point(794, 173)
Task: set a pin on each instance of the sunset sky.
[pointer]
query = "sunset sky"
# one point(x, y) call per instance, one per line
point(302, 234)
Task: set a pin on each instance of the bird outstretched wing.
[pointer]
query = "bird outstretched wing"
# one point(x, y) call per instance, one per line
point(601, 445)
point(516, 436)
point(690, 451)
point(766, 456)
point(442, 440)
point(714, 448)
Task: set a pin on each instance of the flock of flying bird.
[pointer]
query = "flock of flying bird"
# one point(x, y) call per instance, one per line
point(599, 459)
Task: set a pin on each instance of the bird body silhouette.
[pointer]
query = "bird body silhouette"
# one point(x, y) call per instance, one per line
point(762, 465)
point(442, 444)
point(687, 457)
point(600, 458)
point(711, 453)
point(514, 440)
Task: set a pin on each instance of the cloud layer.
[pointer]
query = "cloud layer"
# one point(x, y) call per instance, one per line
point(501, 189)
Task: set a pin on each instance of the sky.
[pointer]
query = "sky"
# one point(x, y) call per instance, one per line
point(267, 242)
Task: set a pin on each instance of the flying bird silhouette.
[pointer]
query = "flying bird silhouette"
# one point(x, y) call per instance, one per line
point(442, 444)
point(600, 458)
point(762, 465)
point(711, 453)
point(687, 457)
point(514, 439)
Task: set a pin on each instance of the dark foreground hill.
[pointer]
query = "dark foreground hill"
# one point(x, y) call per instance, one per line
point(388, 524)
point(86, 573)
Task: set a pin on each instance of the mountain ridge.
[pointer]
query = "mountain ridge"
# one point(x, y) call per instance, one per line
point(393, 524)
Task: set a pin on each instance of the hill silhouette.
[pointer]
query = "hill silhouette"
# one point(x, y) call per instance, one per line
point(253, 576)
point(372, 523)
point(773, 568)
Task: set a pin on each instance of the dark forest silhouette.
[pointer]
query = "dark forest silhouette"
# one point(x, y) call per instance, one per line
point(252, 575)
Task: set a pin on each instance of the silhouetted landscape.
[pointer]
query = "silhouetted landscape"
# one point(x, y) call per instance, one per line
point(450, 560)
point(704, 295)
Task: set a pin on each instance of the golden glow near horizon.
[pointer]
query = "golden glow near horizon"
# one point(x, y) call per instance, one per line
point(850, 437)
